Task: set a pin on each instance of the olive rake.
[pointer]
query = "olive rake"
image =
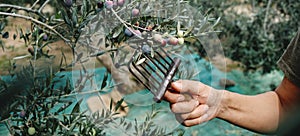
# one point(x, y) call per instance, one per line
point(154, 69)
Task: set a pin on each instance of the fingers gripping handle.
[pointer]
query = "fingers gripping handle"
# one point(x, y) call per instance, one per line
point(187, 97)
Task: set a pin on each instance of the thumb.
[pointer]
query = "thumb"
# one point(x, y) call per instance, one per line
point(186, 86)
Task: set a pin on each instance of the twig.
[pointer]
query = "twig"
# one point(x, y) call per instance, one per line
point(59, 122)
point(61, 23)
point(30, 10)
point(42, 7)
point(18, 8)
point(7, 125)
point(136, 26)
point(34, 4)
point(124, 23)
point(37, 22)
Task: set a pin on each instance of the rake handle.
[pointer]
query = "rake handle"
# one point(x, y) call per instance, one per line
point(167, 80)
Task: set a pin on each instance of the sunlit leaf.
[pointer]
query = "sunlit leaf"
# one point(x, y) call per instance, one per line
point(217, 22)
point(140, 61)
point(21, 57)
point(74, 16)
point(188, 31)
point(117, 32)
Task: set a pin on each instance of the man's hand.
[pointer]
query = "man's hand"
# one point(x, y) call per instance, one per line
point(202, 105)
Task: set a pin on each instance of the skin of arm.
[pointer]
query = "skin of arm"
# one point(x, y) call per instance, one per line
point(263, 112)
point(260, 113)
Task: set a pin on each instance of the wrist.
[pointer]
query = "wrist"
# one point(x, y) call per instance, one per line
point(224, 100)
point(215, 101)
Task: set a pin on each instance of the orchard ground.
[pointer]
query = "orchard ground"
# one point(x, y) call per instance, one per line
point(17, 47)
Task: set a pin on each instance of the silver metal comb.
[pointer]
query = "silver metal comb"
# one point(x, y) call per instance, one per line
point(153, 68)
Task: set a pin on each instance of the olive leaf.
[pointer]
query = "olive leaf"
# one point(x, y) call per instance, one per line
point(118, 32)
point(104, 81)
point(142, 60)
point(118, 104)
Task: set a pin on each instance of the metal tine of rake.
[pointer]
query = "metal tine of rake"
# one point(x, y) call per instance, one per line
point(145, 69)
point(163, 59)
point(156, 64)
point(153, 70)
point(160, 63)
point(145, 77)
point(148, 73)
point(131, 62)
point(167, 71)
point(167, 57)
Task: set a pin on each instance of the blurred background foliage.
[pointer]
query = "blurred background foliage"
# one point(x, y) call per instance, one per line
point(254, 32)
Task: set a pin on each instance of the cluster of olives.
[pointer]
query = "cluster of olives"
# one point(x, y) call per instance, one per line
point(128, 32)
point(109, 4)
point(163, 40)
point(30, 130)
point(171, 40)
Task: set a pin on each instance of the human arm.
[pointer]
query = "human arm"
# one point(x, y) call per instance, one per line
point(261, 113)
point(279, 102)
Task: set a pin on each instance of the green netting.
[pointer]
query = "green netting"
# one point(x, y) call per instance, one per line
point(141, 103)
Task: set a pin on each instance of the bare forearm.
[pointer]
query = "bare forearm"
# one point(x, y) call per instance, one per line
point(260, 113)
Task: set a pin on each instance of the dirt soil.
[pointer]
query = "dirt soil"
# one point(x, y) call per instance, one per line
point(16, 48)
